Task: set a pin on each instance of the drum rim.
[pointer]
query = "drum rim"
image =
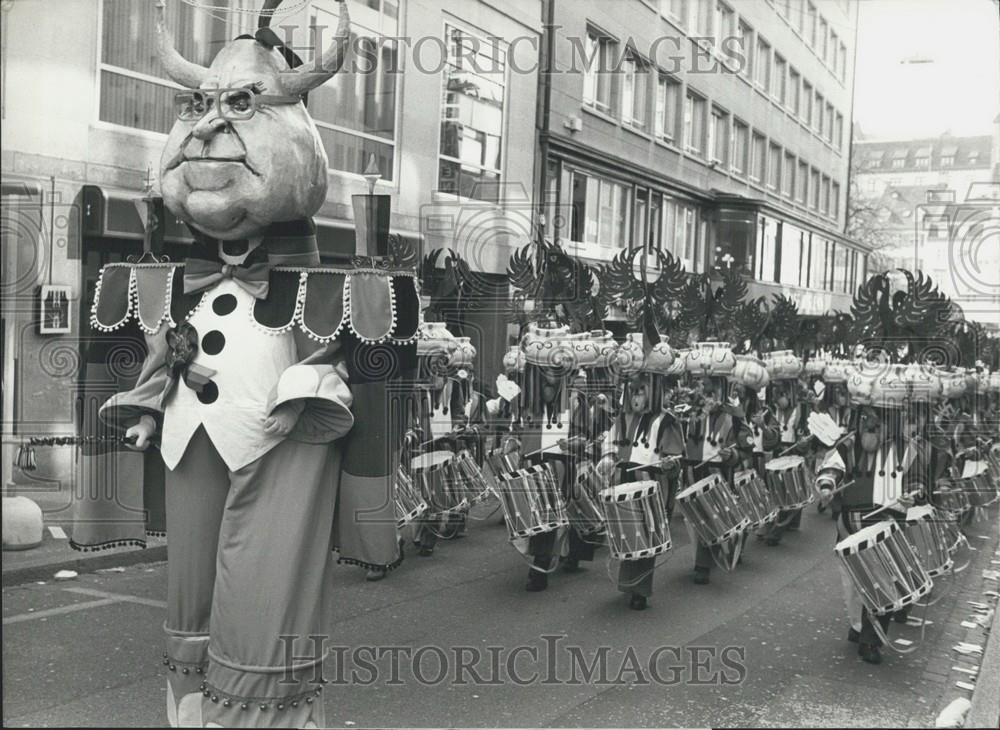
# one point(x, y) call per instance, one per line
point(858, 541)
point(634, 490)
point(415, 466)
point(702, 485)
point(791, 460)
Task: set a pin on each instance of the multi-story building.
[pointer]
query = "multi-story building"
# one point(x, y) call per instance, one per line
point(718, 130)
point(955, 162)
point(86, 108)
point(937, 209)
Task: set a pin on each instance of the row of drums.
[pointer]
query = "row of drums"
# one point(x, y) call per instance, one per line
point(632, 515)
point(893, 563)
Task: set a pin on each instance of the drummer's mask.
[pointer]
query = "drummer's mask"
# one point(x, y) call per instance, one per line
point(639, 398)
point(870, 429)
point(839, 395)
point(550, 385)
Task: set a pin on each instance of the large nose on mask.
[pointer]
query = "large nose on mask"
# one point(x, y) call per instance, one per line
point(209, 126)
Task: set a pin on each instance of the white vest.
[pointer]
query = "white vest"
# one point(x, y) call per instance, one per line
point(247, 370)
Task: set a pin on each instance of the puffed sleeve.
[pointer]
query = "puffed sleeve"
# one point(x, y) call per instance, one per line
point(317, 386)
point(147, 395)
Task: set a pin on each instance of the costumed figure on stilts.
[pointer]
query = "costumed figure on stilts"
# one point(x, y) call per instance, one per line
point(259, 381)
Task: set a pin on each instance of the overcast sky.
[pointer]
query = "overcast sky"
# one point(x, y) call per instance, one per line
point(957, 88)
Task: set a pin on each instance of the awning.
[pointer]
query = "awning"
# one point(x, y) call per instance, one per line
point(110, 213)
point(949, 150)
point(876, 155)
point(900, 154)
point(19, 189)
point(923, 152)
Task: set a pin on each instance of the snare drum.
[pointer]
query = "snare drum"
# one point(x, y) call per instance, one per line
point(636, 519)
point(950, 499)
point(926, 531)
point(884, 567)
point(435, 477)
point(978, 487)
point(756, 499)
point(409, 504)
point(531, 501)
point(711, 508)
point(473, 483)
point(584, 513)
point(790, 482)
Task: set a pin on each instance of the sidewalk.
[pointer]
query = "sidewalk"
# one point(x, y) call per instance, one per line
point(55, 553)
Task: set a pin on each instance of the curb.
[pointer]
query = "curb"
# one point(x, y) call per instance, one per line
point(985, 710)
point(84, 564)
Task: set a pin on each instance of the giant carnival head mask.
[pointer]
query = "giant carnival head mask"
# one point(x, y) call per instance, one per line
point(244, 151)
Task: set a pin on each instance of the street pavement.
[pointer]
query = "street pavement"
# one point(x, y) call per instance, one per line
point(770, 639)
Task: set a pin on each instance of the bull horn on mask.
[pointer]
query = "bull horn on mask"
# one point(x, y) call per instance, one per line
point(306, 77)
point(184, 72)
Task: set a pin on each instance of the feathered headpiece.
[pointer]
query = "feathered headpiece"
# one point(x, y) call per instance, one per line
point(549, 286)
point(907, 318)
point(647, 285)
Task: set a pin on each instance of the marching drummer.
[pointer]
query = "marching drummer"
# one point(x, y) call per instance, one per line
point(713, 436)
point(875, 488)
point(555, 429)
point(649, 434)
point(784, 368)
point(440, 411)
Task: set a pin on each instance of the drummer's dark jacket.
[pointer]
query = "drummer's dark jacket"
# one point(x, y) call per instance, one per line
point(725, 427)
point(869, 475)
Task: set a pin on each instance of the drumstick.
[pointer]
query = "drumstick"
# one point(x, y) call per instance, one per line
point(665, 460)
point(544, 448)
point(797, 444)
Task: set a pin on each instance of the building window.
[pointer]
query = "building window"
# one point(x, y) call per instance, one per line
point(703, 12)
point(802, 190)
point(823, 39)
point(947, 160)
point(825, 196)
point(811, 27)
point(828, 123)
point(807, 101)
point(973, 157)
point(676, 9)
point(774, 167)
point(719, 135)
point(835, 200)
point(134, 90)
point(355, 114)
point(818, 114)
point(763, 65)
point(814, 189)
point(758, 152)
point(741, 139)
point(599, 211)
point(794, 91)
point(788, 177)
point(780, 86)
point(842, 71)
point(725, 23)
point(834, 51)
point(899, 162)
point(923, 161)
point(746, 43)
point(694, 122)
point(667, 92)
point(634, 94)
point(597, 77)
point(472, 116)
point(838, 131)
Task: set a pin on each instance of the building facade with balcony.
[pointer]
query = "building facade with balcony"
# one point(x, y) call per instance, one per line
point(716, 130)
point(86, 109)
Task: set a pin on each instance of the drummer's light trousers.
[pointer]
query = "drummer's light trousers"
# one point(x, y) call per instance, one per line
point(857, 613)
point(249, 562)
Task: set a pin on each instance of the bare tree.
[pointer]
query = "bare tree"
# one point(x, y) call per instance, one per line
point(869, 221)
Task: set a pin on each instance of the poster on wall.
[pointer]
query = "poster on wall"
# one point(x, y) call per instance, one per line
point(54, 312)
